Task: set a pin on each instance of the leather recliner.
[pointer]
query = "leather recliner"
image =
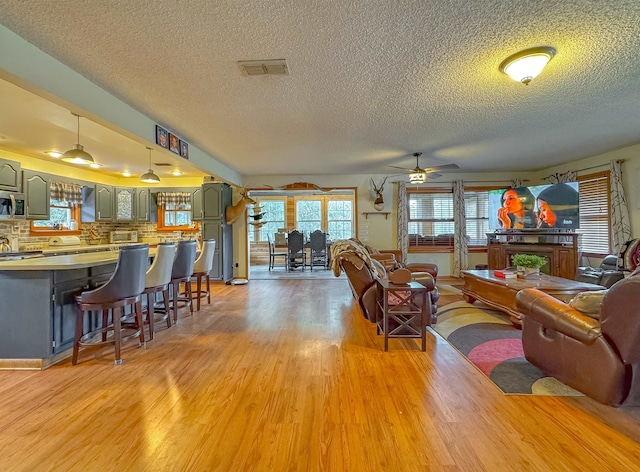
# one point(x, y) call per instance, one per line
point(363, 283)
point(606, 275)
point(599, 357)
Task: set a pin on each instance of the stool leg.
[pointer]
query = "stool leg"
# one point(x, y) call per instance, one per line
point(174, 300)
point(105, 322)
point(208, 290)
point(189, 295)
point(150, 314)
point(199, 289)
point(117, 334)
point(167, 309)
point(140, 322)
point(76, 343)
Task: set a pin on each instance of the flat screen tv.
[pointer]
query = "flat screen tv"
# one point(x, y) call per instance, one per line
point(536, 207)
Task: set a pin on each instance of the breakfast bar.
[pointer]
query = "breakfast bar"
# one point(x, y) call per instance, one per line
point(37, 310)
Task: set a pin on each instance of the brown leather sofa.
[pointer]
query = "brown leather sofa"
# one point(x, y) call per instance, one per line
point(363, 286)
point(599, 357)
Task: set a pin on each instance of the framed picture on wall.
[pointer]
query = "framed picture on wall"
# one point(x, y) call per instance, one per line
point(174, 143)
point(162, 137)
point(184, 149)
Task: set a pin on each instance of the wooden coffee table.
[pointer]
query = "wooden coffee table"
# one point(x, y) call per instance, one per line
point(501, 293)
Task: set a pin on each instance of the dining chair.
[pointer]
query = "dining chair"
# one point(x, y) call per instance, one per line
point(318, 249)
point(157, 280)
point(123, 289)
point(273, 253)
point(296, 255)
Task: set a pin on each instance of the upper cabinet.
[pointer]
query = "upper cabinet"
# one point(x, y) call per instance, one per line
point(146, 209)
point(125, 201)
point(9, 175)
point(37, 191)
point(104, 203)
point(215, 198)
point(196, 204)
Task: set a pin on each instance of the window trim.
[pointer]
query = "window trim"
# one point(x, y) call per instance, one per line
point(49, 231)
point(161, 228)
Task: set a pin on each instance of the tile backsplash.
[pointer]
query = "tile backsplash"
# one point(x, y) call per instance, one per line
point(145, 231)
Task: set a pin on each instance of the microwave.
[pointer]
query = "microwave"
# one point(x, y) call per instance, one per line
point(123, 236)
point(13, 206)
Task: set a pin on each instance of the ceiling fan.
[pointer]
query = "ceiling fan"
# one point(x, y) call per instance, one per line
point(419, 175)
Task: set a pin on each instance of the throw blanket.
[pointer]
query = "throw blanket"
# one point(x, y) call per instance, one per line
point(349, 250)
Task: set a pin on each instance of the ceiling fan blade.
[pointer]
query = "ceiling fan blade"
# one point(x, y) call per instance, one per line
point(401, 168)
point(442, 167)
point(433, 175)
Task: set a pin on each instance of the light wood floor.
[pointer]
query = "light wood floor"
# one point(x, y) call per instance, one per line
point(282, 375)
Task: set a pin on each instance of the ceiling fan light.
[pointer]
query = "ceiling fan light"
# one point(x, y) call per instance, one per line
point(527, 65)
point(417, 177)
point(77, 155)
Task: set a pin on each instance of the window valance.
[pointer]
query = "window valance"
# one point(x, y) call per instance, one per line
point(174, 198)
point(66, 192)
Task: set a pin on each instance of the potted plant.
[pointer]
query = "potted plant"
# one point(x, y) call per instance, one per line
point(528, 263)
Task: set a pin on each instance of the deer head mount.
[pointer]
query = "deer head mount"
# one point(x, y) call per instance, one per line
point(233, 213)
point(378, 203)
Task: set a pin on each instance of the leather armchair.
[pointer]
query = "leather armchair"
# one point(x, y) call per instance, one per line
point(600, 358)
point(392, 259)
point(606, 275)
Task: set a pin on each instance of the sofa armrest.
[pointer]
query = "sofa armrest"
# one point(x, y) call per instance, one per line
point(556, 315)
point(423, 267)
point(397, 253)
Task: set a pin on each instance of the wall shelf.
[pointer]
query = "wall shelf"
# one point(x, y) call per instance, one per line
point(367, 213)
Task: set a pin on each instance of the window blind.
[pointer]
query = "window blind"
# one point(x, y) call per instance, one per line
point(476, 204)
point(594, 214)
point(431, 219)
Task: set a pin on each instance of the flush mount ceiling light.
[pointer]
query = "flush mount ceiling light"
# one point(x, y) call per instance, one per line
point(54, 154)
point(525, 65)
point(77, 155)
point(176, 173)
point(150, 177)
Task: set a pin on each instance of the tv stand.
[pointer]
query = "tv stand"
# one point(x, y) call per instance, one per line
point(558, 248)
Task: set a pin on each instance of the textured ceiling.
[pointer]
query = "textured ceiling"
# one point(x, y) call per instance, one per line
point(369, 82)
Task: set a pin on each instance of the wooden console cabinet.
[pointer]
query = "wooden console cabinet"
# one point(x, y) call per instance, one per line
point(560, 250)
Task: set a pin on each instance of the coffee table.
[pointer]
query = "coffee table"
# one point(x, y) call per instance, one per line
point(501, 293)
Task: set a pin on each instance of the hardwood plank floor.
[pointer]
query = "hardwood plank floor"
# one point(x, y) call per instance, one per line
point(286, 375)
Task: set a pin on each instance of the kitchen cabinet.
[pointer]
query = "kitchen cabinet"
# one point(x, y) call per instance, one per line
point(215, 198)
point(37, 191)
point(104, 202)
point(146, 209)
point(196, 204)
point(10, 176)
point(125, 204)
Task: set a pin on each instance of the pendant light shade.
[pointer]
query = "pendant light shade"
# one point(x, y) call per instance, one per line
point(150, 177)
point(77, 155)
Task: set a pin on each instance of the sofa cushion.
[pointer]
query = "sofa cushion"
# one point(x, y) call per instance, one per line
point(589, 303)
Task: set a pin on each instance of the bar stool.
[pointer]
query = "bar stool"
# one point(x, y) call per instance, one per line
point(181, 273)
point(157, 280)
point(124, 288)
point(201, 268)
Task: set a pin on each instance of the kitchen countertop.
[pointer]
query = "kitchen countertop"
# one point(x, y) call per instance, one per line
point(65, 261)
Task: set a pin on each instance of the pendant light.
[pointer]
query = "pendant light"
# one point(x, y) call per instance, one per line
point(150, 177)
point(77, 155)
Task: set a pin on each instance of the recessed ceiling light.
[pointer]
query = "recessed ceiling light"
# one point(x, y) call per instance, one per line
point(55, 154)
point(126, 174)
point(95, 165)
point(176, 173)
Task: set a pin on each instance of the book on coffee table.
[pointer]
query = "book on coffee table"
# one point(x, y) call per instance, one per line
point(505, 273)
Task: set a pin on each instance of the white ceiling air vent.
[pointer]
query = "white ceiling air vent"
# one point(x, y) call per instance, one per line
point(270, 67)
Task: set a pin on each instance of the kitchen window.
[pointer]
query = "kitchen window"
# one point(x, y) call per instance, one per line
point(176, 217)
point(61, 216)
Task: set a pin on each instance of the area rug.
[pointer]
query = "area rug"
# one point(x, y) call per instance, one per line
point(487, 339)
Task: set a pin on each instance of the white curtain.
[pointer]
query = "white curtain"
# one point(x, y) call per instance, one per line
point(403, 221)
point(620, 224)
point(460, 249)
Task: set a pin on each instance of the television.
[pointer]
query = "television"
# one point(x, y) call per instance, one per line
point(552, 206)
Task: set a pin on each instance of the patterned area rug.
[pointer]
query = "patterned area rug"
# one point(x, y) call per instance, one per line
point(489, 341)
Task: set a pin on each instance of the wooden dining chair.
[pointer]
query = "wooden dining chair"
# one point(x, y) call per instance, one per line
point(273, 254)
point(296, 254)
point(318, 248)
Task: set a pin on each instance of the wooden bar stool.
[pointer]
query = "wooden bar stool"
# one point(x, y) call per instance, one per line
point(157, 280)
point(124, 288)
point(181, 273)
point(201, 268)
